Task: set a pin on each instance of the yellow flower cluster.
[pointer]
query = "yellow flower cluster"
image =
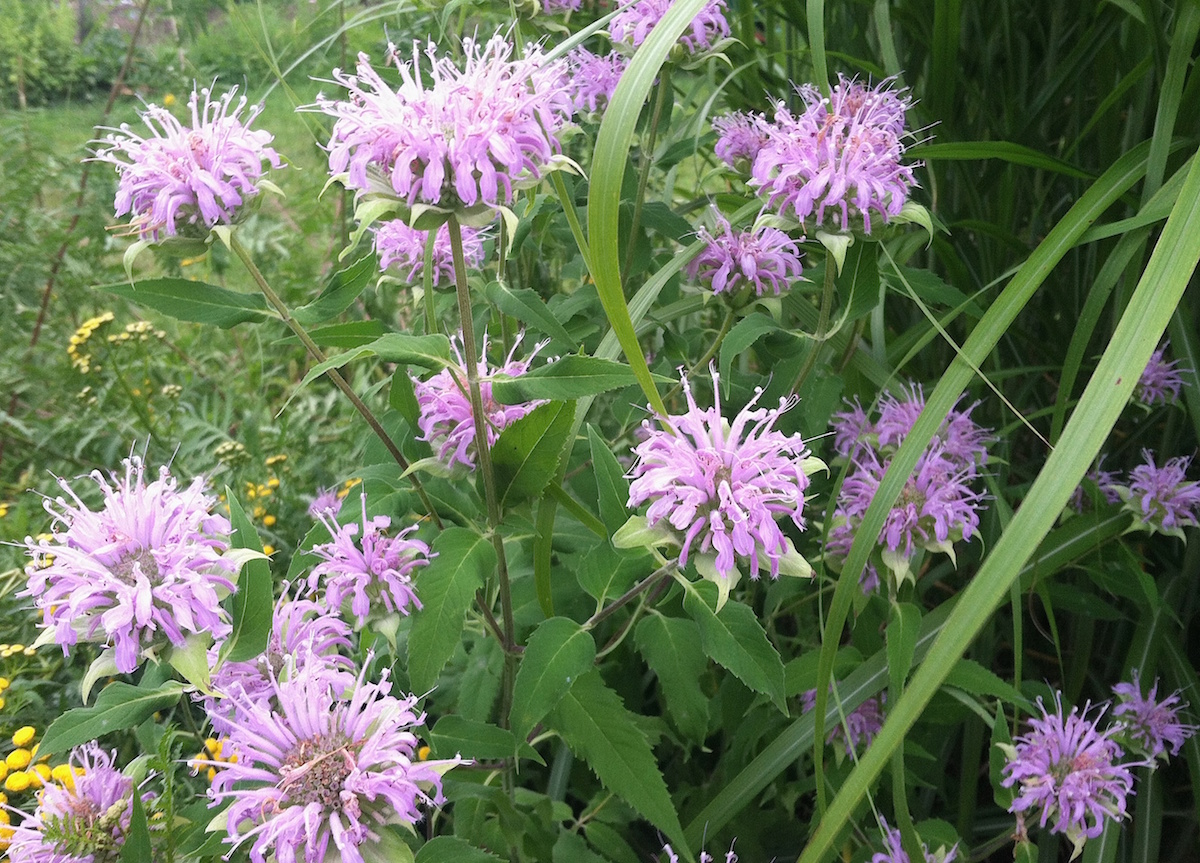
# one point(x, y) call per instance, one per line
point(210, 757)
point(80, 359)
point(4, 684)
point(139, 330)
point(22, 769)
point(7, 650)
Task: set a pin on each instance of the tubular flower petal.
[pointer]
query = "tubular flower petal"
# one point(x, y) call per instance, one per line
point(404, 247)
point(764, 257)
point(1148, 725)
point(636, 18)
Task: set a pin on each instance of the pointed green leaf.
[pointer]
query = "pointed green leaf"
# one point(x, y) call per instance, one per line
point(454, 735)
point(573, 848)
point(527, 306)
point(136, 847)
point(431, 352)
point(597, 727)
point(343, 289)
point(558, 653)
point(904, 623)
point(525, 456)
point(674, 653)
point(198, 302)
point(118, 706)
point(611, 484)
point(451, 849)
point(353, 334)
point(744, 334)
point(735, 640)
point(969, 676)
point(572, 377)
point(446, 588)
point(252, 606)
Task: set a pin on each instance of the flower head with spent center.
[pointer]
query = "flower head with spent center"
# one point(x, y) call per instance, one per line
point(187, 179)
point(740, 135)
point(636, 18)
point(1161, 381)
point(841, 154)
point(448, 136)
point(594, 79)
point(721, 486)
point(446, 421)
point(144, 570)
point(894, 849)
point(860, 726)
point(84, 819)
point(375, 569)
point(1161, 497)
point(763, 257)
point(300, 628)
point(1147, 725)
point(318, 769)
point(403, 247)
point(1068, 773)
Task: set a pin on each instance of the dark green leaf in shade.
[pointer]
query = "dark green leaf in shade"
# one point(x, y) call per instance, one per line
point(527, 306)
point(446, 588)
point(611, 484)
point(252, 605)
point(735, 640)
point(858, 282)
point(572, 377)
point(573, 848)
point(744, 334)
point(557, 654)
point(904, 624)
point(136, 847)
point(997, 759)
point(197, 302)
point(671, 646)
point(605, 573)
point(455, 735)
point(525, 456)
point(969, 676)
point(343, 289)
point(594, 722)
point(451, 849)
point(119, 706)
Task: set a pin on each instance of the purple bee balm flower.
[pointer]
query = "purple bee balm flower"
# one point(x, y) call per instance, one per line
point(740, 135)
point(1067, 773)
point(960, 438)
point(318, 769)
point(1108, 483)
point(895, 852)
point(1161, 497)
point(144, 570)
point(552, 6)
point(446, 421)
point(1161, 382)
point(327, 500)
point(636, 18)
point(398, 244)
point(764, 257)
point(377, 569)
point(83, 820)
point(705, 857)
point(841, 154)
point(470, 137)
point(186, 179)
point(594, 79)
point(1150, 726)
point(859, 726)
point(722, 486)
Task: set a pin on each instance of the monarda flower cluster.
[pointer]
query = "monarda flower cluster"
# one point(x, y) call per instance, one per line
point(636, 18)
point(763, 258)
point(403, 247)
point(144, 571)
point(1161, 381)
point(1161, 498)
point(184, 180)
point(858, 728)
point(938, 505)
point(717, 488)
point(594, 79)
point(447, 137)
point(894, 849)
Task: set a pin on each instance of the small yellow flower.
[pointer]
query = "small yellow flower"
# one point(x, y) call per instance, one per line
point(18, 759)
point(168, 100)
point(268, 549)
point(4, 683)
point(17, 782)
point(3, 770)
point(16, 648)
point(423, 753)
point(276, 459)
point(30, 651)
point(269, 520)
point(24, 735)
point(3, 510)
point(64, 776)
point(2, 703)
point(36, 780)
point(4, 816)
point(273, 482)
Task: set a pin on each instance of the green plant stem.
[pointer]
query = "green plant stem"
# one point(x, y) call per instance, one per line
point(647, 159)
point(431, 325)
point(340, 382)
point(484, 454)
point(649, 581)
point(726, 326)
point(822, 324)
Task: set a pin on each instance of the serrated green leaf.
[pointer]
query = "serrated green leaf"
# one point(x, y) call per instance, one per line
point(451, 849)
point(446, 588)
point(354, 334)
point(343, 289)
point(455, 735)
point(136, 847)
point(969, 676)
point(572, 377)
point(611, 484)
point(735, 640)
point(557, 654)
point(118, 706)
point(573, 848)
point(904, 624)
point(525, 457)
point(605, 573)
point(251, 607)
point(596, 726)
point(431, 352)
point(674, 653)
point(198, 302)
point(527, 306)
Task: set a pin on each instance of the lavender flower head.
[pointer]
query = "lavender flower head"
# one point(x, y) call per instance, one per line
point(894, 849)
point(594, 79)
point(636, 18)
point(1106, 481)
point(186, 179)
point(960, 438)
point(466, 138)
point(859, 726)
point(1068, 773)
point(841, 154)
point(318, 769)
point(84, 820)
point(446, 421)
point(1161, 381)
point(374, 570)
point(327, 500)
point(721, 486)
point(1149, 726)
point(144, 570)
point(705, 857)
point(403, 247)
point(763, 257)
point(552, 6)
point(1161, 497)
point(740, 135)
